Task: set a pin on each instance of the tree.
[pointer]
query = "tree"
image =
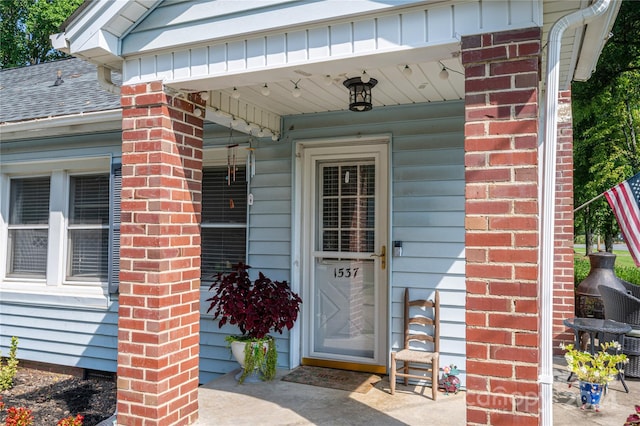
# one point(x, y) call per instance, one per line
point(606, 112)
point(25, 26)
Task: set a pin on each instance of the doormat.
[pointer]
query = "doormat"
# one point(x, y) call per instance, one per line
point(351, 381)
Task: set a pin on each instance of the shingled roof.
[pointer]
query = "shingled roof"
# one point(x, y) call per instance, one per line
point(30, 92)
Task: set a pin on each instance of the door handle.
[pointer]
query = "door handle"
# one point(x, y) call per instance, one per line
point(382, 256)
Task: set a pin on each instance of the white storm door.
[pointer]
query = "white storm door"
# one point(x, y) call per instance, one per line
point(344, 241)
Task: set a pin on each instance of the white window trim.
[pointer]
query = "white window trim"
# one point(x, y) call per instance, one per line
point(54, 289)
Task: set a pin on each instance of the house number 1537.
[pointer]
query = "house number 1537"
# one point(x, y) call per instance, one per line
point(345, 272)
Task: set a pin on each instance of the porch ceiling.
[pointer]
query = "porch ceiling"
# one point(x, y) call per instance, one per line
point(322, 88)
point(382, 43)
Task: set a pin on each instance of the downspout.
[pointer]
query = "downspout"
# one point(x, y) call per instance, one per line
point(104, 79)
point(547, 183)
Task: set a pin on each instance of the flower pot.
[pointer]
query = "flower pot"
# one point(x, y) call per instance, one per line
point(591, 393)
point(238, 348)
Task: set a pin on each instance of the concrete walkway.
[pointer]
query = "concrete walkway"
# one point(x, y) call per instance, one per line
point(224, 402)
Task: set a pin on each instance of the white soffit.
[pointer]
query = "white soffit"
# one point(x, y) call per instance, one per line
point(390, 36)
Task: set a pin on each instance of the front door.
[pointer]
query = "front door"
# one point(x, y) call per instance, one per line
point(344, 244)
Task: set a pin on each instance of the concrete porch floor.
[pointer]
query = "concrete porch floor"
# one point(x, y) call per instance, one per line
point(224, 402)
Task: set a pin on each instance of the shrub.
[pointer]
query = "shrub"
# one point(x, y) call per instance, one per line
point(8, 371)
point(19, 417)
point(71, 421)
point(581, 268)
point(629, 274)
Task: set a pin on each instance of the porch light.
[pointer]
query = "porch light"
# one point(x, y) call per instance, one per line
point(360, 93)
point(265, 90)
point(296, 92)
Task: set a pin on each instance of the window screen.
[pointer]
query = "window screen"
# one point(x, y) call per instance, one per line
point(348, 207)
point(28, 227)
point(89, 227)
point(224, 218)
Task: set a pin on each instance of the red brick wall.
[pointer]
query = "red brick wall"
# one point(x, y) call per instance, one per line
point(563, 292)
point(158, 337)
point(501, 139)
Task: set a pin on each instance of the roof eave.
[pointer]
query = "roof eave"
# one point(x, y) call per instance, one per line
point(596, 35)
point(88, 122)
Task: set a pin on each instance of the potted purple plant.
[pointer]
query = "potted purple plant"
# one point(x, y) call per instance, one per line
point(258, 308)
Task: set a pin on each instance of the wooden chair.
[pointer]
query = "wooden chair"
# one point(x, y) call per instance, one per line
point(430, 336)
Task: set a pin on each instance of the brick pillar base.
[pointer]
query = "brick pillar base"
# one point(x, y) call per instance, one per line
point(501, 140)
point(159, 315)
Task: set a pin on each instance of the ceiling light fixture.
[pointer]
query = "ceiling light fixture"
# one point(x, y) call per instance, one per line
point(235, 94)
point(360, 93)
point(265, 90)
point(444, 74)
point(296, 92)
point(407, 70)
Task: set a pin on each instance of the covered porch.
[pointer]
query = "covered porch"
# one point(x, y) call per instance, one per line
point(184, 63)
point(279, 402)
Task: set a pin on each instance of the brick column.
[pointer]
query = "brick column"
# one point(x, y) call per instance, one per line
point(563, 291)
point(159, 315)
point(502, 227)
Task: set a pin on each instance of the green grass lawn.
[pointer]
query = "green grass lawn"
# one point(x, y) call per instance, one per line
point(623, 258)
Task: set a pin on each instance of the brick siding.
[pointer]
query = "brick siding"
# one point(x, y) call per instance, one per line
point(563, 286)
point(159, 315)
point(502, 228)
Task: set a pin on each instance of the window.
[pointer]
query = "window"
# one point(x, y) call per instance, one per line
point(28, 227)
point(88, 227)
point(59, 231)
point(224, 218)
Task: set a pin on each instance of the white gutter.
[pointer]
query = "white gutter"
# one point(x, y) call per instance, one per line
point(65, 124)
point(104, 78)
point(547, 182)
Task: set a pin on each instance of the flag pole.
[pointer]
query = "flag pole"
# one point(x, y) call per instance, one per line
point(588, 202)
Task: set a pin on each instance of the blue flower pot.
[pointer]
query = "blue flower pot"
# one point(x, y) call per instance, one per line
point(590, 393)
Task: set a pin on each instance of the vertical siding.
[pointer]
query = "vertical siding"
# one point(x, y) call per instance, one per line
point(427, 188)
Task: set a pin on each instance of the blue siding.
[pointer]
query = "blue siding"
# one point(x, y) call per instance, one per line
point(71, 335)
point(427, 215)
point(66, 336)
point(427, 187)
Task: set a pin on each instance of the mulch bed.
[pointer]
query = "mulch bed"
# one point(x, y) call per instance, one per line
point(52, 396)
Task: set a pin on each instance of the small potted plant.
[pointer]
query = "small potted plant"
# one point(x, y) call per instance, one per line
point(594, 371)
point(258, 308)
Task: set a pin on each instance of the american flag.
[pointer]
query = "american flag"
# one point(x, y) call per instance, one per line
point(624, 199)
